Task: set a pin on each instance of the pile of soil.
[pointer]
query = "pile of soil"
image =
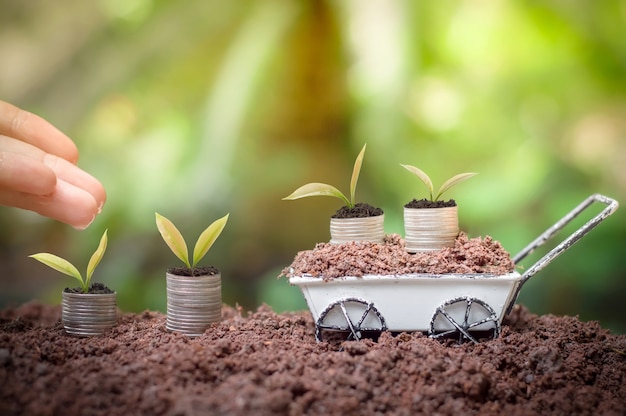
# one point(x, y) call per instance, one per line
point(358, 258)
point(266, 363)
point(426, 203)
point(94, 289)
point(194, 271)
point(359, 210)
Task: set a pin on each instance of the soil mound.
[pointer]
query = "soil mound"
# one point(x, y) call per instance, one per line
point(357, 258)
point(265, 363)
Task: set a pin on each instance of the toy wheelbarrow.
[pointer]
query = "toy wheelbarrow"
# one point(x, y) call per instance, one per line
point(465, 307)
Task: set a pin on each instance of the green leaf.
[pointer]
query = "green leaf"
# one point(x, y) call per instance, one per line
point(173, 238)
point(317, 189)
point(355, 175)
point(453, 181)
point(96, 257)
point(207, 238)
point(60, 265)
point(423, 177)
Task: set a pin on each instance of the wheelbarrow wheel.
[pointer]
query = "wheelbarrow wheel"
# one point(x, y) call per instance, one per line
point(465, 319)
point(349, 319)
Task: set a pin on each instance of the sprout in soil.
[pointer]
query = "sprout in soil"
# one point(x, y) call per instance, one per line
point(65, 267)
point(322, 189)
point(455, 180)
point(175, 241)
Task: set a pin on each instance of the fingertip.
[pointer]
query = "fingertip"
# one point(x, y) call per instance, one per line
point(84, 225)
point(77, 177)
point(71, 205)
point(71, 152)
point(99, 194)
point(60, 145)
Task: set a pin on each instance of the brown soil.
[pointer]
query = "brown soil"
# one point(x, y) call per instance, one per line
point(94, 289)
point(360, 210)
point(266, 363)
point(425, 203)
point(358, 258)
point(195, 271)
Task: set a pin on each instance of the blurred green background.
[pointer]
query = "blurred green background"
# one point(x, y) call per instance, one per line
point(198, 108)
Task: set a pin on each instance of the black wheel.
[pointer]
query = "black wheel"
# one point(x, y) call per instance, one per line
point(464, 319)
point(349, 319)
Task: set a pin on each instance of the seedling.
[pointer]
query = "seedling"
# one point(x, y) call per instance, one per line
point(455, 180)
point(65, 267)
point(322, 189)
point(175, 241)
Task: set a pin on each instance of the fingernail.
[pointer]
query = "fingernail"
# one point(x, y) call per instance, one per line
point(84, 227)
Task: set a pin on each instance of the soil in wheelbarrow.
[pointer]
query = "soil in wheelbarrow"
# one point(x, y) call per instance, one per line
point(357, 258)
point(264, 363)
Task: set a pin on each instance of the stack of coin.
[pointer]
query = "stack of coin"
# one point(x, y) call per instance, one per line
point(86, 314)
point(429, 229)
point(193, 303)
point(343, 230)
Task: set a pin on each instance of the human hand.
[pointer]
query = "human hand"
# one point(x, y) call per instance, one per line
point(38, 170)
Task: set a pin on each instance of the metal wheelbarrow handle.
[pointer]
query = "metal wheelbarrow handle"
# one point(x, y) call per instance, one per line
point(611, 206)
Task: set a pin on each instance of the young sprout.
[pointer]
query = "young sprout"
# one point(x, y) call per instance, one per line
point(322, 189)
point(174, 239)
point(455, 180)
point(65, 267)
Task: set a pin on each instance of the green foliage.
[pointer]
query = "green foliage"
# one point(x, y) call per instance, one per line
point(67, 268)
point(455, 180)
point(175, 241)
point(322, 189)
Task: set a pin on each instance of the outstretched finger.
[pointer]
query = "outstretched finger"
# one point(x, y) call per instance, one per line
point(83, 205)
point(21, 173)
point(32, 129)
point(24, 167)
point(77, 177)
